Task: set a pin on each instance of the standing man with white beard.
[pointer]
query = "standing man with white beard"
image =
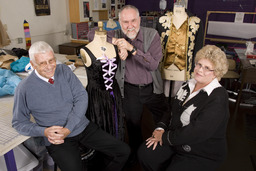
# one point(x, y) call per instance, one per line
point(138, 76)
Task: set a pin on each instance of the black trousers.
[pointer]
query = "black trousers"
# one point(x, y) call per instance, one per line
point(135, 98)
point(168, 159)
point(67, 155)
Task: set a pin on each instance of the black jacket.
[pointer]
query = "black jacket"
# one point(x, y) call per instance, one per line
point(205, 134)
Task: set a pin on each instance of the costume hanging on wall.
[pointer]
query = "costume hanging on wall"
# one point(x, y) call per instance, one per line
point(179, 45)
point(105, 106)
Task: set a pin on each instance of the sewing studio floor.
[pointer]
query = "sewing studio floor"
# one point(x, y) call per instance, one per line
point(241, 136)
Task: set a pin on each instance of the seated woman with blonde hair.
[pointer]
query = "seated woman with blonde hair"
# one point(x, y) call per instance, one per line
point(193, 136)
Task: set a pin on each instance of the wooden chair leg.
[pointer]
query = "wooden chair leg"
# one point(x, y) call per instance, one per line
point(238, 101)
point(239, 97)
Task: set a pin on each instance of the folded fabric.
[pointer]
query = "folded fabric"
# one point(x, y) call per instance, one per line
point(6, 60)
point(8, 82)
point(20, 64)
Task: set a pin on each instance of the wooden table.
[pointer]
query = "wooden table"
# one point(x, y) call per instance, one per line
point(71, 48)
point(9, 137)
point(248, 75)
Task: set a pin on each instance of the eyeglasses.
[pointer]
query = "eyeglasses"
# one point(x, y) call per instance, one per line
point(205, 68)
point(45, 63)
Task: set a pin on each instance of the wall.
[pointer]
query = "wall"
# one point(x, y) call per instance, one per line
point(148, 5)
point(52, 28)
point(198, 7)
point(55, 28)
point(201, 7)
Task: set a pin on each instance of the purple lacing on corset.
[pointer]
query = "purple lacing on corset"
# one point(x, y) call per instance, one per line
point(110, 71)
point(109, 82)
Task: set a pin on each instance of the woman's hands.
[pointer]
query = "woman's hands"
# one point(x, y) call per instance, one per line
point(156, 138)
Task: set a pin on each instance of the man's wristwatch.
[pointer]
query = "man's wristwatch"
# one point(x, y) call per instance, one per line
point(133, 50)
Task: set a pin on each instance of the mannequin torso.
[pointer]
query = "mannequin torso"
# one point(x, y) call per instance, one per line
point(179, 16)
point(98, 47)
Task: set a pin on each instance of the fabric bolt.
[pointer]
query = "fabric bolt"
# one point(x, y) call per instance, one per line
point(27, 34)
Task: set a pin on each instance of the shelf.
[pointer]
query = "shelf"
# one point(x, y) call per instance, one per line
point(80, 41)
point(99, 10)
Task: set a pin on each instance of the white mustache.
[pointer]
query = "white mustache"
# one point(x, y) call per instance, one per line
point(132, 29)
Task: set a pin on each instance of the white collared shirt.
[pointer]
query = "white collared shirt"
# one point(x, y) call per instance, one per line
point(41, 77)
point(208, 89)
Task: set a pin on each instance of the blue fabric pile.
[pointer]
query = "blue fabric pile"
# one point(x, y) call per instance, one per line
point(8, 82)
point(19, 65)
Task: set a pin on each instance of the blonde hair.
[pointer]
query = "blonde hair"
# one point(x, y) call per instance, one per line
point(216, 56)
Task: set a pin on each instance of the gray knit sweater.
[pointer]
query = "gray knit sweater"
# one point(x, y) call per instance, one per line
point(63, 103)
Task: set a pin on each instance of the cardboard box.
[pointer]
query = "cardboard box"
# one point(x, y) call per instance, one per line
point(74, 59)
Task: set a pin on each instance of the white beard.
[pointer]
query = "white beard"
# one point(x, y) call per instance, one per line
point(131, 33)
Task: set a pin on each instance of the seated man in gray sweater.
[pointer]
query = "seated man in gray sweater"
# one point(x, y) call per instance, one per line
point(57, 100)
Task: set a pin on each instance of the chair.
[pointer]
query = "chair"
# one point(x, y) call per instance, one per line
point(231, 74)
point(231, 70)
point(248, 77)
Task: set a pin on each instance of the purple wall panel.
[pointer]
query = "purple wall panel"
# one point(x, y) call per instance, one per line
point(148, 5)
point(200, 7)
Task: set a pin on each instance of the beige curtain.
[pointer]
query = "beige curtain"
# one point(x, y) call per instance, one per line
point(4, 38)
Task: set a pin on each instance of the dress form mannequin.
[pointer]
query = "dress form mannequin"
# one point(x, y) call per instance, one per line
point(111, 23)
point(178, 76)
point(179, 15)
point(181, 37)
point(105, 102)
point(98, 46)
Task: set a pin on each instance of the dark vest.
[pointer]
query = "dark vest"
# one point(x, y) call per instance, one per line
point(148, 36)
